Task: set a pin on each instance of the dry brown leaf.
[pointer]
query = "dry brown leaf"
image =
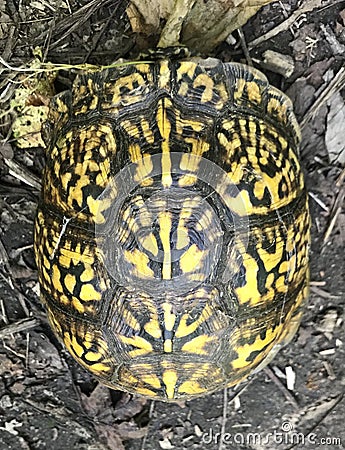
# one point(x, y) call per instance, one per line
point(342, 15)
point(130, 430)
point(129, 406)
point(110, 435)
point(197, 24)
point(98, 401)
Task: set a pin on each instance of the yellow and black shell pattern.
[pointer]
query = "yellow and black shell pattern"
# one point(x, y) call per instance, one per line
point(172, 232)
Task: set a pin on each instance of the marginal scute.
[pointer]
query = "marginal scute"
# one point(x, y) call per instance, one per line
point(172, 232)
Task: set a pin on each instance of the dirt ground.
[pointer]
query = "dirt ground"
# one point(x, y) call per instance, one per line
point(46, 399)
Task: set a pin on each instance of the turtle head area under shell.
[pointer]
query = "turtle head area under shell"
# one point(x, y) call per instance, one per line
point(172, 233)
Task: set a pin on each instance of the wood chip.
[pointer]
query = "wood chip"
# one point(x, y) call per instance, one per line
point(328, 322)
point(329, 370)
point(290, 378)
point(10, 427)
point(321, 293)
point(166, 444)
point(279, 373)
point(198, 431)
point(335, 131)
point(278, 63)
point(237, 403)
point(328, 351)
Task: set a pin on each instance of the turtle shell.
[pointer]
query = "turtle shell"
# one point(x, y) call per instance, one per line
point(172, 232)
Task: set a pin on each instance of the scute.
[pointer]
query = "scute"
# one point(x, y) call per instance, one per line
point(172, 232)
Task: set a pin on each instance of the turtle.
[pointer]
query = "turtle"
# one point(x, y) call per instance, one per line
point(172, 231)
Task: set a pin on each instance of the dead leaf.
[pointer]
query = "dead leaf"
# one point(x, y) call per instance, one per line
point(198, 24)
point(342, 15)
point(129, 406)
point(30, 104)
point(110, 436)
point(98, 401)
point(130, 430)
point(28, 125)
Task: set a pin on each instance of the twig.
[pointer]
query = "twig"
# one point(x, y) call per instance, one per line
point(336, 210)
point(244, 47)
point(334, 86)
point(4, 317)
point(152, 407)
point(22, 174)
point(331, 224)
point(318, 201)
point(224, 418)
point(341, 178)
point(307, 7)
point(332, 403)
point(103, 30)
point(74, 21)
point(20, 325)
point(322, 293)
point(289, 397)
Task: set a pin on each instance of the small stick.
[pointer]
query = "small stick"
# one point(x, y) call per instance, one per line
point(244, 47)
point(289, 397)
point(20, 325)
point(307, 7)
point(334, 86)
